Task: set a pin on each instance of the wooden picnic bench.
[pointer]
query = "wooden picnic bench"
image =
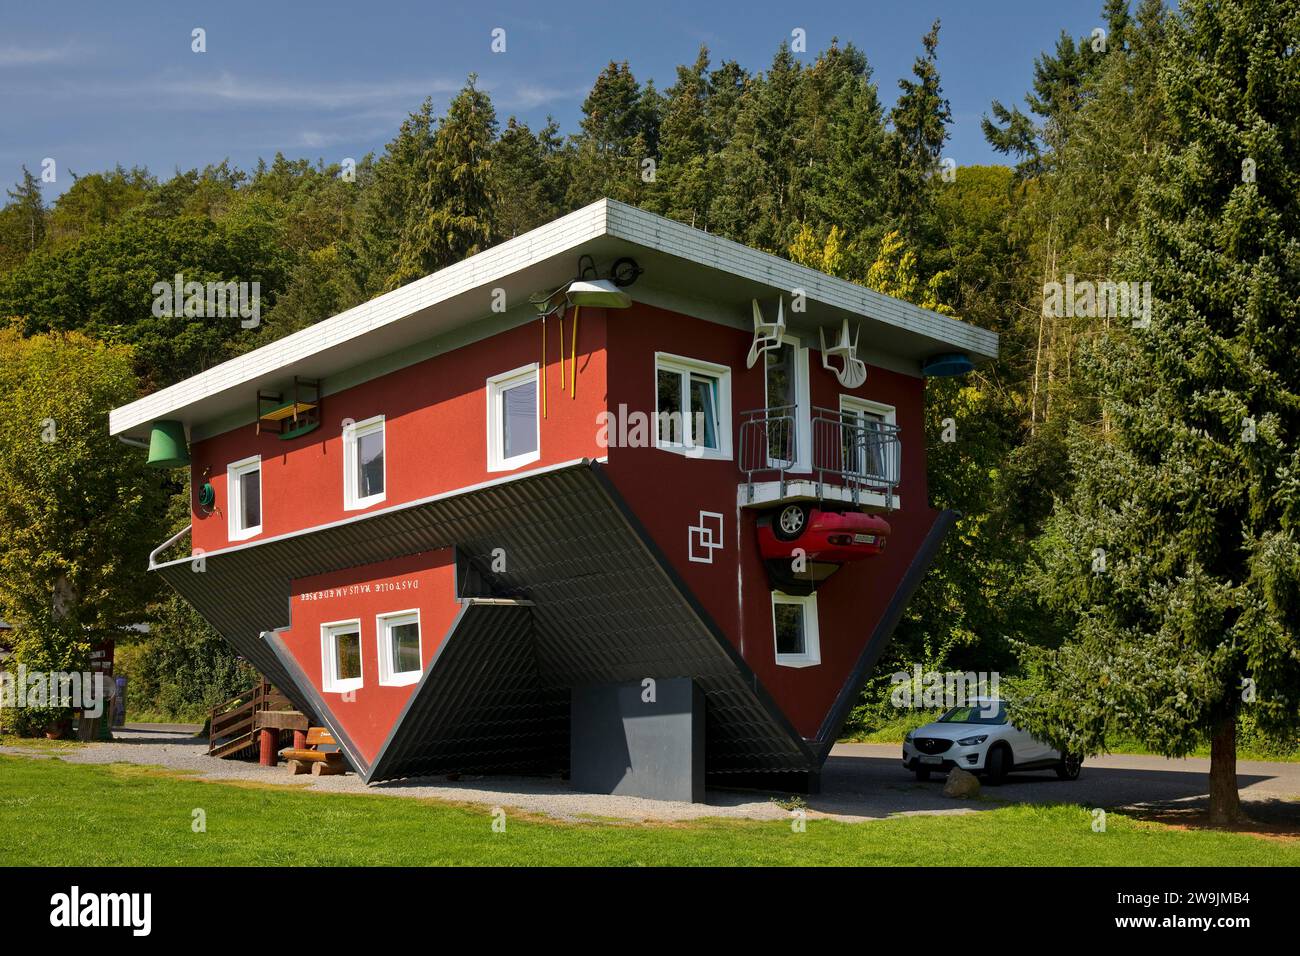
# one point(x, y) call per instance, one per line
point(312, 759)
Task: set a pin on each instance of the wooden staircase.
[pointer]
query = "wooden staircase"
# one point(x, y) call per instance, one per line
point(233, 726)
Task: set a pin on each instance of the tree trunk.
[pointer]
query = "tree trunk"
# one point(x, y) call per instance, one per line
point(1225, 802)
point(1049, 269)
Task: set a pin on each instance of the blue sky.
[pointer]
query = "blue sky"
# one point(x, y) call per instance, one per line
point(96, 84)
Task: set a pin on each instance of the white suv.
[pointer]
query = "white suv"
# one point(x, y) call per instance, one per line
point(978, 737)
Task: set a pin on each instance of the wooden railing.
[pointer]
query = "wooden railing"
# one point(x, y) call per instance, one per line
point(232, 725)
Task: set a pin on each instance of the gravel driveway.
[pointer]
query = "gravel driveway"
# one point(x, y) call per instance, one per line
point(860, 782)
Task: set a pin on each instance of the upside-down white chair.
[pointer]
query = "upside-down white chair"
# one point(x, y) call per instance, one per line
point(767, 335)
point(852, 371)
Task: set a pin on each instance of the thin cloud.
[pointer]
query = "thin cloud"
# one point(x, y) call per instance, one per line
point(528, 95)
point(271, 93)
point(34, 56)
point(373, 98)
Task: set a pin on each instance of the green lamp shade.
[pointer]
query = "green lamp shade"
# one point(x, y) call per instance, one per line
point(167, 448)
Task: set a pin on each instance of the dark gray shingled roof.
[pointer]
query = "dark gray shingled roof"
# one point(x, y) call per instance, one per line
point(604, 606)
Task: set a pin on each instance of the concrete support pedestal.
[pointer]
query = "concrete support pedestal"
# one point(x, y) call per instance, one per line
point(643, 739)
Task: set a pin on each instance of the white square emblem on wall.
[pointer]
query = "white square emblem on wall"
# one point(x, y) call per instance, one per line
point(706, 538)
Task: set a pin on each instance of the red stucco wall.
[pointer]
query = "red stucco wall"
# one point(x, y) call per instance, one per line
point(435, 431)
point(668, 491)
point(424, 581)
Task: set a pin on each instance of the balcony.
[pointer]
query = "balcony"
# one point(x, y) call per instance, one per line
point(830, 455)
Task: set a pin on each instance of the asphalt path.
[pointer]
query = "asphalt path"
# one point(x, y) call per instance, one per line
point(869, 779)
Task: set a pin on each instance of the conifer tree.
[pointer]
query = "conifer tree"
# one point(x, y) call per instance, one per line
point(685, 147)
point(391, 199)
point(453, 215)
point(1177, 555)
point(619, 131)
point(753, 203)
point(30, 212)
point(920, 121)
point(528, 185)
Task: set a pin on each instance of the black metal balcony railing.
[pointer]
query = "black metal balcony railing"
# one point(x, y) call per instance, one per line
point(848, 449)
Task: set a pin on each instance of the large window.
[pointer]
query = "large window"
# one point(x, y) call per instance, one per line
point(399, 647)
point(514, 428)
point(244, 490)
point(692, 406)
point(794, 623)
point(866, 448)
point(789, 415)
point(363, 463)
point(341, 656)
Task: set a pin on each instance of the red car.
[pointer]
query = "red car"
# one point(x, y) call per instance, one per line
point(836, 536)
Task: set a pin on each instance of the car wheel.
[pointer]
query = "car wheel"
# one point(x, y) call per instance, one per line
point(790, 522)
point(922, 773)
point(1069, 767)
point(996, 765)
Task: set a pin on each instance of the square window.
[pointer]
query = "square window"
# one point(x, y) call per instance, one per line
point(514, 427)
point(363, 464)
point(692, 407)
point(341, 656)
point(794, 627)
point(244, 490)
point(400, 661)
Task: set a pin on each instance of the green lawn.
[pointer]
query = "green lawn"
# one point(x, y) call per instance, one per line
point(56, 813)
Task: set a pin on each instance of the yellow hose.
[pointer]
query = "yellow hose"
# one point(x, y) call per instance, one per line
point(573, 357)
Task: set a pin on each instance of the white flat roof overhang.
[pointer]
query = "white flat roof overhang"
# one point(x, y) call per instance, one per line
point(441, 308)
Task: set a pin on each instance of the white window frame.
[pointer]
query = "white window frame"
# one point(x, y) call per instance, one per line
point(351, 435)
point(851, 403)
point(685, 367)
point(803, 399)
point(235, 497)
point(497, 385)
point(330, 682)
point(387, 676)
point(812, 653)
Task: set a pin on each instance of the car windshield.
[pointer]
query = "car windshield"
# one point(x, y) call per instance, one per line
point(979, 712)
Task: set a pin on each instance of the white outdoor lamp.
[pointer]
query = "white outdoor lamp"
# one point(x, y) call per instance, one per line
point(597, 293)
